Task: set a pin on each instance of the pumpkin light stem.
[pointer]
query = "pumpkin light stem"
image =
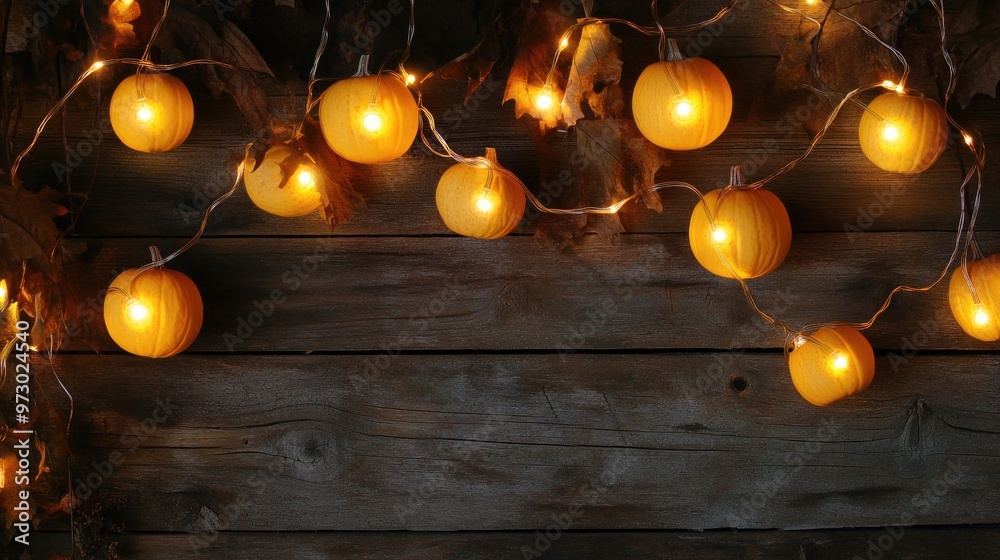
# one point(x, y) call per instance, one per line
point(737, 178)
point(363, 67)
point(154, 254)
point(673, 53)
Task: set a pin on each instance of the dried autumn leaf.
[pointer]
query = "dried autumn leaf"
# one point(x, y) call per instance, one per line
point(973, 44)
point(340, 200)
point(543, 23)
point(594, 76)
point(838, 56)
point(187, 35)
point(612, 162)
point(475, 65)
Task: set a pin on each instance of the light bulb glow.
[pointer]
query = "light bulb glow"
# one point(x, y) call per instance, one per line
point(889, 84)
point(126, 2)
point(372, 121)
point(410, 78)
point(305, 178)
point(720, 235)
point(484, 204)
point(799, 341)
point(684, 109)
point(544, 101)
point(980, 317)
point(96, 66)
point(3, 294)
point(812, 2)
point(564, 43)
point(143, 112)
point(137, 311)
point(839, 362)
point(891, 132)
point(968, 138)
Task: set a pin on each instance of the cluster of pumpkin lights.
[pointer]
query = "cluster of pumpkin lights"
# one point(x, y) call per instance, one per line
point(679, 104)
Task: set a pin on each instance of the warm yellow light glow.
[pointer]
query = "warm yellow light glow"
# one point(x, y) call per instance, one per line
point(720, 235)
point(684, 109)
point(485, 205)
point(891, 132)
point(143, 111)
point(544, 101)
point(126, 2)
point(305, 178)
point(3, 294)
point(812, 2)
point(411, 79)
point(372, 121)
point(839, 362)
point(799, 341)
point(980, 317)
point(564, 43)
point(889, 84)
point(968, 138)
point(137, 311)
point(96, 66)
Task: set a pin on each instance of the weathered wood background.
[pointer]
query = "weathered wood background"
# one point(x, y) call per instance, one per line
point(474, 392)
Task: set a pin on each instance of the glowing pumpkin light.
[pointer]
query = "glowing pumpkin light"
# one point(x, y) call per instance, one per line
point(474, 202)
point(369, 119)
point(980, 319)
point(832, 364)
point(682, 103)
point(273, 192)
point(903, 133)
point(749, 228)
point(152, 112)
point(161, 318)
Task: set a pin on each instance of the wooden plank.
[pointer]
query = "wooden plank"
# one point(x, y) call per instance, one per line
point(645, 292)
point(164, 194)
point(913, 543)
point(506, 442)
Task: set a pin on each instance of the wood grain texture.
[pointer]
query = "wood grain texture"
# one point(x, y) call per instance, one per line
point(506, 442)
point(915, 543)
point(446, 294)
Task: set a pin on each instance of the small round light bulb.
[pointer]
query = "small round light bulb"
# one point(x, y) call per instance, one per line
point(564, 43)
point(891, 132)
point(839, 362)
point(372, 121)
point(411, 79)
point(683, 109)
point(980, 317)
point(143, 112)
point(720, 235)
point(137, 311)
point(305, 178)
point(484, 205)
point(544, 101)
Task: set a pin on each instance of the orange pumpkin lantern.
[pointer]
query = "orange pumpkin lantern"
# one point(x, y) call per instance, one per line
point(295, 195)
point(152, 112)
point(161, 318)
point(749, 228)
point(831, 364)
point(979, 320)
point(369, 119)
point(903, 133)
point(682, 103)
point(475, 204)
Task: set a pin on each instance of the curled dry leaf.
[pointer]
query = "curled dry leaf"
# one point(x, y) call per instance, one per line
point(837, 56)
point(594, 75)
point(475, 65)
point(612, 161)
point(340, 200)
point(543, 24)
point(187, 35)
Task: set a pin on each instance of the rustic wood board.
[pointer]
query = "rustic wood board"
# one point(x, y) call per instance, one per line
point(446, 293)
point(505, 442)
point(913, 543)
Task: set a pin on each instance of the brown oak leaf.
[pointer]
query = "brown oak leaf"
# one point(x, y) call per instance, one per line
point(612, 161)
point(594, 75)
